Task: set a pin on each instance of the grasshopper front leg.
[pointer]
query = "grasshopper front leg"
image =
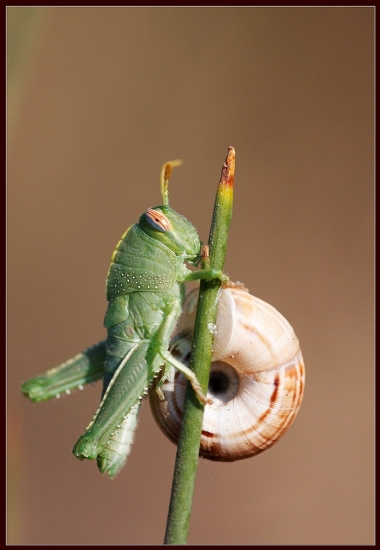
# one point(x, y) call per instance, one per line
point(208, 274)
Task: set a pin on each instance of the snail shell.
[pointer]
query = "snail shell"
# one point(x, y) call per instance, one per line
point(257, 377)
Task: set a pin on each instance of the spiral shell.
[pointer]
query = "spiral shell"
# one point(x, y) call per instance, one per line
point(256, 382)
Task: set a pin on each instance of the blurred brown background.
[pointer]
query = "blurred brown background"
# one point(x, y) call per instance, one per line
point(98, 100)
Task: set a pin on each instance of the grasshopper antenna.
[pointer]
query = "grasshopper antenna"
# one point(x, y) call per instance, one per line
point(164, 180)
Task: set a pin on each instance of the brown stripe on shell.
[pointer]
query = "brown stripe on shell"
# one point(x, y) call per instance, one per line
point(302, 374)
point(293, 373)
point(214, 452)
point(207, 434)
point(264, 340)
point(273, 398)
point(288, 418)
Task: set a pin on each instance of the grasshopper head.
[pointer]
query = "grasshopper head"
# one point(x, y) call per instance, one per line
point(163, 224)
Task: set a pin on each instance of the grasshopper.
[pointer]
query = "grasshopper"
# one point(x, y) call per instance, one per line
point(145, 290)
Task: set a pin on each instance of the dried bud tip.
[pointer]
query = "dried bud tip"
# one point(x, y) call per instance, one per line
point(228, 170)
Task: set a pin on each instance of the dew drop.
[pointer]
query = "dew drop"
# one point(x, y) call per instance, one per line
point(212, 328)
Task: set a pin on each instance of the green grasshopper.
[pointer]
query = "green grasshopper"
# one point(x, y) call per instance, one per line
point(145, 291)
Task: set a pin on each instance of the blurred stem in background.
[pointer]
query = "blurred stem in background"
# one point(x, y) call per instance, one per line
point(25, 27)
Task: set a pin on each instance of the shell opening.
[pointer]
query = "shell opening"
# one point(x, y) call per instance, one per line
point(224, 382)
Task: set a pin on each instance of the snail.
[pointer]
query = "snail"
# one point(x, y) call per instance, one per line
point(257, 377)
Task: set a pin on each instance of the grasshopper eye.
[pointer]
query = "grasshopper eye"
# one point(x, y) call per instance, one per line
point(158, 220)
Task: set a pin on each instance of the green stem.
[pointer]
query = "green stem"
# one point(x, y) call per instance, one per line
point(189, 440)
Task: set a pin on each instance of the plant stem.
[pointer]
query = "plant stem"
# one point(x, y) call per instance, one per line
point(189, 440)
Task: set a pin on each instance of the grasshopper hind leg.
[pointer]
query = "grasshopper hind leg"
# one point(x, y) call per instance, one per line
point(127, 385)
point(111, 365)
point(116, 350)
